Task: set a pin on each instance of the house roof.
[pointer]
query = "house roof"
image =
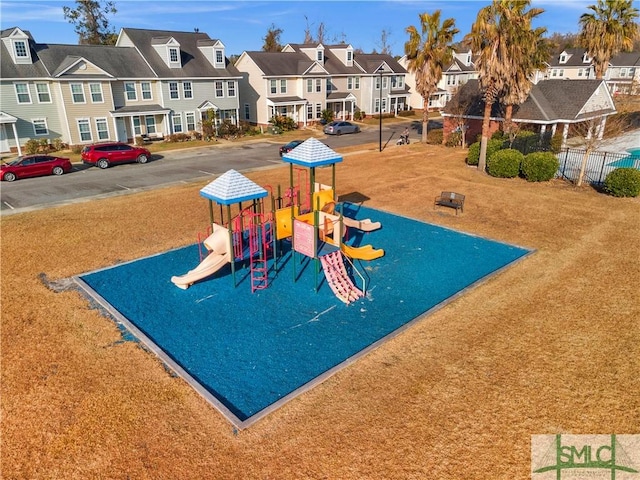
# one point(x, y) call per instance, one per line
point(120, 62)
point(36, 69)
point(549, 101)
point(194, 62)
point(281, 63)
point(371, 61)
point(232, 187)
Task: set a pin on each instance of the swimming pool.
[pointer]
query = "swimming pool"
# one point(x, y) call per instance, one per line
point(249, 353)
point(632, 161)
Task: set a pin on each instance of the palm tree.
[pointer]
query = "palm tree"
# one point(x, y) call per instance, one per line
point(610, 29)
point(497, 35)
point(529, 54)
point(428, 52)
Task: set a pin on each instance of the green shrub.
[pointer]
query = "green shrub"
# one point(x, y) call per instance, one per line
point(31, 146)
point(327, 115)
point(406, 113)
point(284, 124)
point(504, 163)
point(435, 136)
point(499, 135)
point(455, 140)
point(359, 115)
point(58, 144)
point(526, 142)
point(623, 182)
point(539, 166)
point(473, 155)
point(555, 144)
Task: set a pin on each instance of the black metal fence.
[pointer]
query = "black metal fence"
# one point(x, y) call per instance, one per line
point(598, 164)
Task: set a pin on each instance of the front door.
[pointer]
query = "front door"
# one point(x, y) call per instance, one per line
point(4, 139)
point(121, 129)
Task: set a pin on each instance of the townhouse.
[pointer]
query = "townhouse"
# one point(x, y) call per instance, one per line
point(457, 73)
point(151, 82)
point(302, 80)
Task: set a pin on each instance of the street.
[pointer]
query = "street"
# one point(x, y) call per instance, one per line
point(171, 167)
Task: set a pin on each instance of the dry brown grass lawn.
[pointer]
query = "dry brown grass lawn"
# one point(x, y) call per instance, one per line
point(550, 345)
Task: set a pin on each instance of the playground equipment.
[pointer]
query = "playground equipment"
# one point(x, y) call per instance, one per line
point(305, 215)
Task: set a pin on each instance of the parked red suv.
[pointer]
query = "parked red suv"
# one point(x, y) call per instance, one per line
point(108, 153)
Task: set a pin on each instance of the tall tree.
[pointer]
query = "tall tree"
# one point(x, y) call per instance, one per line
point(496, 37)
point(90, 18)
point(608, 30)
point(272, 39)
point(428, 51)
point(529, 51)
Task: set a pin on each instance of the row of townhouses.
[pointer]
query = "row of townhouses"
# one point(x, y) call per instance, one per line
point(571, 64)
point(158, 83)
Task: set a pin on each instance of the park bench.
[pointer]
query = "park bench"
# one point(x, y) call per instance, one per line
point(450, 199)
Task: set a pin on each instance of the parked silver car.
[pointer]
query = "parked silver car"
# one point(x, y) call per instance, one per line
point(340, 127)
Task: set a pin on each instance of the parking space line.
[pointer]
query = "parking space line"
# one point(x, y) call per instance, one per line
point(9, 205)
point(122, 186)
point(205, 172)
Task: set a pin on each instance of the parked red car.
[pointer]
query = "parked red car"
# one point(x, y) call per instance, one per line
point(103, 155)
point(34, 166)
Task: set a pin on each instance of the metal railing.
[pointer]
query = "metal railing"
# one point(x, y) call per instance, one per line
point(598, 164)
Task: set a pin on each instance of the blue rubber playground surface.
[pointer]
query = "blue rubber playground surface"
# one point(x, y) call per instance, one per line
point(249, 353)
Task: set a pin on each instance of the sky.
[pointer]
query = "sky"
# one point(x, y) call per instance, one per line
point(242, 25)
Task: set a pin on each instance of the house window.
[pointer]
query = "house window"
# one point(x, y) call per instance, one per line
point(349, 83)
point(563, 58)
point(219, 89)
point(77, 93)
point(136, 126)
point(177, 123)
point(231, 89)
point(146, 90)
point(377, 83)
point(623, 72)
point(44, 96)
point(85, 129)
point(349, 56)
point(328, 85)
point(376, 107)
point(385, 82)
point(173, 91)
point(150, 122)
point(283, 86)
point(40, 126)
point(191, 121)
point(554, 72)
point(384, 105)
point(20, 47)
point(273, 86)
point(400, 81)
point(96, 92)
point(309, 111)
point(318, 110)
point(187, 90)
point(130, 90)
point(318, 85)
point(561, 73)
point(219, 57)
point(320, 56)
point(102, 129)
point(356, 83)
point(580, 72)
point(173, 55)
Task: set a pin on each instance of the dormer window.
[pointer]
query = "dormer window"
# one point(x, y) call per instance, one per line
point(563, 58)
point(320, 56)
point(349, 58)
point(20, 47)
point(173, 55)
point(586, 58)
point(219, 58)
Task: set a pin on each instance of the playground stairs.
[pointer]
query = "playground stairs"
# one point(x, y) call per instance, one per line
point(338, 278)
point(259, 239)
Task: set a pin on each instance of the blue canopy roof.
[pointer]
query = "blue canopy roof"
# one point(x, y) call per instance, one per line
point(232, 187)
point(312, 153)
